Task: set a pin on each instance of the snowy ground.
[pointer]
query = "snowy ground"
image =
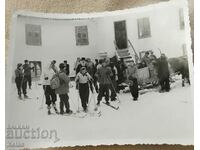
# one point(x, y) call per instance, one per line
point(155, 118)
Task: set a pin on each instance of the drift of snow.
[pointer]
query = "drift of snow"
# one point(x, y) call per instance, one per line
point(155, 118)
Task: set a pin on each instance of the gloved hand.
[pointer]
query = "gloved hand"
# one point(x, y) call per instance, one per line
point(46, 78)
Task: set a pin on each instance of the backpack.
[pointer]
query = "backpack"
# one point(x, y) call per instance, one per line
point(55, 81)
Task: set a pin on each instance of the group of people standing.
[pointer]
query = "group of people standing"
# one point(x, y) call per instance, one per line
point(158, 69)
point(108, 74)
point(103, 77)
point(23, 78)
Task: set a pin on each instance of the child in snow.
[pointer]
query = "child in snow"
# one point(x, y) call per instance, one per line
point(103, 74)
point(132, 76)
point(20, 81)
point(82, 79)
point(63, 90)
point(50, 94)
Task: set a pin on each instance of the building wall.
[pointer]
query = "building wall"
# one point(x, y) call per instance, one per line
point(59, 43)
point(165, 31)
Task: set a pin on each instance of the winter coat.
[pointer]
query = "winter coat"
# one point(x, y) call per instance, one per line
point(47, 75)
point(103, 74)
point(163, 69)
point(64, 84)
point(146, 60)
point(18, 73)
point(83, 78)
point(67, 69)
point(27, 69)
point(99, 66)
point(91, 68)
point(132, 72)
point(114, 75)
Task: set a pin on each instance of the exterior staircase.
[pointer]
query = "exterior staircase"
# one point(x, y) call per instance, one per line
point(128, 54)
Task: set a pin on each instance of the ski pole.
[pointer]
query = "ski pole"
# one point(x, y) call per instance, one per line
point(92, 87)
point(78, 96)
point(93, 98)
point(42, 102)
point(114, 89)
point(72, 102)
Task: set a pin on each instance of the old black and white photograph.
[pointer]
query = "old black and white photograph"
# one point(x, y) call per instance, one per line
point(118, 77)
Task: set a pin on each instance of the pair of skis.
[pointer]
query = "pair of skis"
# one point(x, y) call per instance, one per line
point(84, 114)
point(25, 98)
point(112, 106)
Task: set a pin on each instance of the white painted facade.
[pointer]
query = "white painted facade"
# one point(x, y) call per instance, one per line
point(59, 41)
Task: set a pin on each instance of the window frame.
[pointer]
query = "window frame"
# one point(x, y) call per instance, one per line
point(81, 35)
point(144, 28)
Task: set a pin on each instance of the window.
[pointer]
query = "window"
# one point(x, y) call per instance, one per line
point(81, 35)
point(33, 34)
point(181, 18)
point(144, 30)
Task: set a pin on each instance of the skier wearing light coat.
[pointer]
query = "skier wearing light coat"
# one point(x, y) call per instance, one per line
point(49, 93)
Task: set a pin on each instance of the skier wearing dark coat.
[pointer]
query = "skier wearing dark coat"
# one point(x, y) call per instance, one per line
point(132, 75)
point(113, 84)
point(95, 78)
point(81, 64)
point(121, 69)
point(63, 90)
point(66, 68)
point(163, 73)
point(27, 72)
point(20, 81)
point(103, 74)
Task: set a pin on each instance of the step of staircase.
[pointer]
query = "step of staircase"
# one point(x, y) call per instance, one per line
point(123, 54)
point(128, 61)
point(122, 50)
point(126, 57)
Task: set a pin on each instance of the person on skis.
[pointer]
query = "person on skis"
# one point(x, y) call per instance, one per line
point(103, 74)
point(20, 81)
point(84, 82)
point(113, 81)
point(27, 72)
point(63, 90)
point(132, 77)
point(49, 93)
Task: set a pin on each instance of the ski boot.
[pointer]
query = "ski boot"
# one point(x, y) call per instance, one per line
point(85, 110)
point(54, 106)
point(69, 111)
point(25, 96)
point(20, 97)
point(49, 110)
point(107, 103)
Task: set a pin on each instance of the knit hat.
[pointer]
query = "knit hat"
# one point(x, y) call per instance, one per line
point(83, 68)
point(19, 65)
point(62, 66)
point(83, 58)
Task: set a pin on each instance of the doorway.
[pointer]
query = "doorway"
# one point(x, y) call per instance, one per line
point(120, 34)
